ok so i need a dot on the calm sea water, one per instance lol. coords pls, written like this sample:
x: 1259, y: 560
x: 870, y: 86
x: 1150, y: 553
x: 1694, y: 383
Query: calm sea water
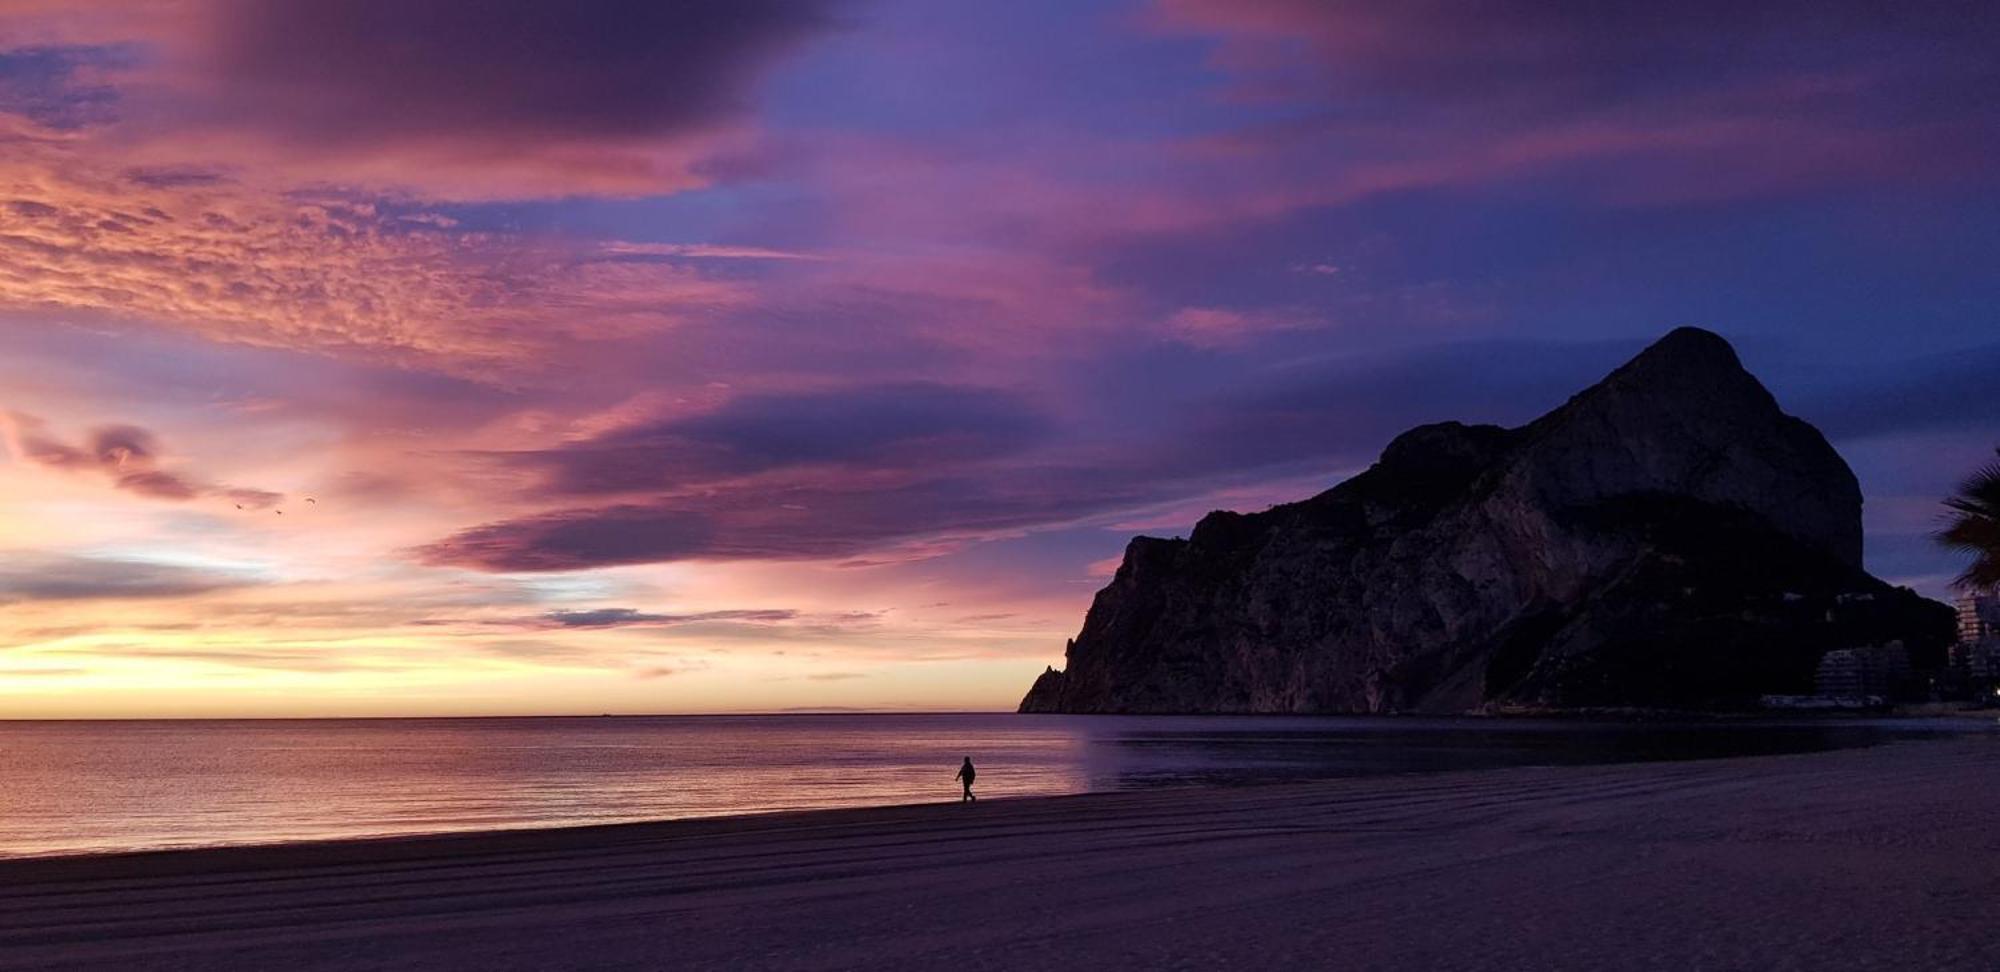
x: 70, y: 787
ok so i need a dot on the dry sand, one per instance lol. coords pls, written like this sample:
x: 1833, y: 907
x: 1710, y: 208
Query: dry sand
x: 1863, y: 859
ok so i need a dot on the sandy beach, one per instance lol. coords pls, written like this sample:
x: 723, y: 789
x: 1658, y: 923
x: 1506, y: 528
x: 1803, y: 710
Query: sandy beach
x: 1886, y: 857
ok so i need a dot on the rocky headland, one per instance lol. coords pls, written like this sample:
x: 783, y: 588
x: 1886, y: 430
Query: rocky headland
x: 1668, y: 538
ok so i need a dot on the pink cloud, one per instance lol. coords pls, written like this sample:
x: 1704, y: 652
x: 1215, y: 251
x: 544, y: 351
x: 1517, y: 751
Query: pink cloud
x: 250, y: 263
x: 1216, y: 327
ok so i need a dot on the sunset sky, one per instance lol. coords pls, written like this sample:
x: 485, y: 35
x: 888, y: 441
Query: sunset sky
x: 433, y: 357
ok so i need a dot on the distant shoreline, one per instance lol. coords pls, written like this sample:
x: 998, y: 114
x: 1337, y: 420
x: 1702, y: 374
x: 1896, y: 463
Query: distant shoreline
x: 1608, y: 715
x: 559, y: 715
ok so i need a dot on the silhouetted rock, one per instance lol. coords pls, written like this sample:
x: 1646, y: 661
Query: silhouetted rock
x: 1046, y: 694
x: 1668, y: 537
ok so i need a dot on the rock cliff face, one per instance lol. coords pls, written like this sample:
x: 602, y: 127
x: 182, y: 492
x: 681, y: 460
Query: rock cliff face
x: 1669, y: 537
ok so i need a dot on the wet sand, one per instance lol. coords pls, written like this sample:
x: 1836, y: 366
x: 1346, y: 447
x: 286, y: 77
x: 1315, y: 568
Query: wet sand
x: 1884, y: 858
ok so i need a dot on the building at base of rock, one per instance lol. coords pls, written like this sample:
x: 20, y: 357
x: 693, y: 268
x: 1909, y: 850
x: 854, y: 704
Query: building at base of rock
x: 1975, y: 657
x: 1880, y: 671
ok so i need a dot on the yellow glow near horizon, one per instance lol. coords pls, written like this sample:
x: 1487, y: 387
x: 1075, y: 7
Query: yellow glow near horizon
x: 246, y: 614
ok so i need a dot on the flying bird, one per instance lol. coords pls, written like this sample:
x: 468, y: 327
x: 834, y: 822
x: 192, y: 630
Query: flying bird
x: 312, y: 501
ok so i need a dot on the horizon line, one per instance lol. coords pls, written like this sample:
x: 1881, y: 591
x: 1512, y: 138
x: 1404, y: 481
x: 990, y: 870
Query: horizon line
x: 800, y: 711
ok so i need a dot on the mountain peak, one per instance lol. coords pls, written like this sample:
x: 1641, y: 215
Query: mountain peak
x: 1686, y: 359
x: 1690, y: 377
x: 1684, y: 417
x: 1689, y: 343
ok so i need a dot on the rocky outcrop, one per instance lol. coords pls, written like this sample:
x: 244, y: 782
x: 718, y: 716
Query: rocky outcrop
x: 1046, y: 694
x: 1668, y: 537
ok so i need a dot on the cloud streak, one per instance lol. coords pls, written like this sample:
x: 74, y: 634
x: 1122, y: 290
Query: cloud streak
x: 1700, y: 101
x: 877, y: 427
x: 127, y: 455
x: 627, y: 617
x: 45, y: 577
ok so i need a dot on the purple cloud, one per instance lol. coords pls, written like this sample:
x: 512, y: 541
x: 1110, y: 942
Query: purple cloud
x: 896, y: 426
x: 508, y: 99
x: 127, y: 455
x: 568, y: 540
x: 1311, y: 418
x: 782, y: 522
x: 45, y: 84
x: 1526, y: 58
x: 519, y: 68
x: 1690, y: 101
x: 158, y: 485
x: 122, y: 445
x: 627, y: 617
x: 58, y: 577
x: 1535, y: 55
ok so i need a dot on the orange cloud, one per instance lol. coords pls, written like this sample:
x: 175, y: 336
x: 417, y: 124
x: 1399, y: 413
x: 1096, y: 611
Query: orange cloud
x: 246, y: 263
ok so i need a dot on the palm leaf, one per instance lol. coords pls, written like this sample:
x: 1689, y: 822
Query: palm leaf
x: 1972, y: 525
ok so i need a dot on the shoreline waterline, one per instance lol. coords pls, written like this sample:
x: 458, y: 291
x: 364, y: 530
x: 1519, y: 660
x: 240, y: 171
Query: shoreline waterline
x: 72, y: 789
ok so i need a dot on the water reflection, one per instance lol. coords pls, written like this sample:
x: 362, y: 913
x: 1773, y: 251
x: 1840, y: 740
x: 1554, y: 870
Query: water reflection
x: 81, y: 786
x: 1229, y: 752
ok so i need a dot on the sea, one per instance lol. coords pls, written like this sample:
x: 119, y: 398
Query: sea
x: 96, y: 787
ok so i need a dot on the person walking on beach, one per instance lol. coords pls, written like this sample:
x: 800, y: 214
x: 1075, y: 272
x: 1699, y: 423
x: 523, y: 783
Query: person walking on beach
x: 966, y: 773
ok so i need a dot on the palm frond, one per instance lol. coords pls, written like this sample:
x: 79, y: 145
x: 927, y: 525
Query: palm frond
x: 1982, y: 575
x: 1973, y: 526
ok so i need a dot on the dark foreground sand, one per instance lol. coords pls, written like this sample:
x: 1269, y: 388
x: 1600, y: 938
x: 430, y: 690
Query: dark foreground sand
x: 1882, y: 858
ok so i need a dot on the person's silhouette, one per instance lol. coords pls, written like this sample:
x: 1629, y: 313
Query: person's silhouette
x: 966, y: 773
